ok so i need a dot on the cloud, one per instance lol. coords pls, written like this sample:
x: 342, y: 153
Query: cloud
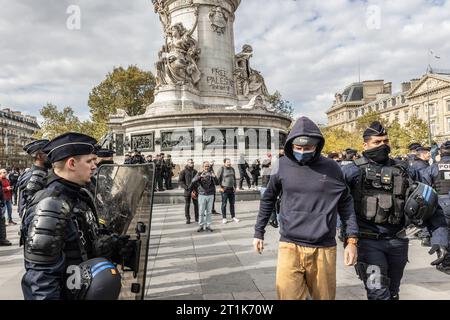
x: 308, y: 50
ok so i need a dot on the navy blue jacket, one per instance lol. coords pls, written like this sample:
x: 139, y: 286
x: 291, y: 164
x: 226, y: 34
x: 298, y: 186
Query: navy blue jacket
x: 418, y: 165
x: 313, y: 196
x: 436, y: 224
x: 430, y: 174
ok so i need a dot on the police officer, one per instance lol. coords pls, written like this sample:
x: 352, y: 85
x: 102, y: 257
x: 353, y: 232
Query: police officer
x: 60, y: 226
x: 105, y: 156
x: 158, y: 172
x: 169, y: 166
x: 438, y: 176
x: 34, y: 179
x: 379, y: 186
x: 412, y: 155
x: 419, y: 164
x: 350, y: 156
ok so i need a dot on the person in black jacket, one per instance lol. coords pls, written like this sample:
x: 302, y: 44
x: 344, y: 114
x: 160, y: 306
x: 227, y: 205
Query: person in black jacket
x: 314, y: 193
x: 185, y: 180
x: 13, y: 178
x: 255, y: 172
x: 205, y: 183
x: 243, y: 166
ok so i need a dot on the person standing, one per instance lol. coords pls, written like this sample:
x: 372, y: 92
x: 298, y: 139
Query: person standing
x: 205, y: 183
x: 255, y: 172
x: 13, y: 178
x: 314, y: 193
x: 379, y: 186
x: 158, y: 173
x: 34, y: 179
x: 227, y: 181
x: 243, y: 175
x: 3, y: 240
x: 185, y: 181
x: 7, y: 196
x: 438, y: 176
x: 60, y: 227
x: 169, y: 166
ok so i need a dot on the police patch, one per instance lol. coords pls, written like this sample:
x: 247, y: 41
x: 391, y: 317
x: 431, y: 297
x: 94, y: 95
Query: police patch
x: 444, y: 166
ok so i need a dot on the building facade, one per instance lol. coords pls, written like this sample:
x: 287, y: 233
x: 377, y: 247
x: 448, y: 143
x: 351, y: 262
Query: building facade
x: 429, y: 95
x: 16, y: 130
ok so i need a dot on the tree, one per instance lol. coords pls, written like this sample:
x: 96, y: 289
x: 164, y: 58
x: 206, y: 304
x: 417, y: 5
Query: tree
x: 365, y: 121
x: 131, y: 89
x: 281, y: 105
x: 57, y: 122
x: 337, y: 140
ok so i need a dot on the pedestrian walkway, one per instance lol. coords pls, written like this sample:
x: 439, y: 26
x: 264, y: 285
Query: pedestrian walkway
x: 185, y: 264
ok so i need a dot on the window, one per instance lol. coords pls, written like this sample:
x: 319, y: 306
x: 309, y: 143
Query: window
x: 416, y: 110
x: 396, y: 116
x: 406, y: 115
x: 433, y: 127
x: 448, y: 105
x: 448, y: 124
x: 432, y: 109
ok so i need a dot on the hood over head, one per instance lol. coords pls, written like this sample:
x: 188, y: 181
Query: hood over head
x: 304, y: 127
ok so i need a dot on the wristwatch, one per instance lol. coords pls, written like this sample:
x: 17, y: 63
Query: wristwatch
x: 352, y: 241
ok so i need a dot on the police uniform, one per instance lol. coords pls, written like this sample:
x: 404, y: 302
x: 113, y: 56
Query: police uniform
x: 379, y: 189
x: 60, y: 227
x: 32, y: 180
x: 411, y: 157
x: 438, y: 176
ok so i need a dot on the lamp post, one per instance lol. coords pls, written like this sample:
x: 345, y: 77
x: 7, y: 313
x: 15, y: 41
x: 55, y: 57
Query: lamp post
x: 429, y: 119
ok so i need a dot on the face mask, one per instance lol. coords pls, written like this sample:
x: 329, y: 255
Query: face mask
x: 304, y: 157
x: 379, y: 154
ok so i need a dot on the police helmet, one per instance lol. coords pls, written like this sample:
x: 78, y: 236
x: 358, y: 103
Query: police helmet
x: 101, y: 280
x: 420, y: 204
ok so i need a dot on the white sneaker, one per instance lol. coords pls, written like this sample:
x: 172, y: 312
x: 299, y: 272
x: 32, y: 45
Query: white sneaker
x: 224, y: 221
x: 235, y: 219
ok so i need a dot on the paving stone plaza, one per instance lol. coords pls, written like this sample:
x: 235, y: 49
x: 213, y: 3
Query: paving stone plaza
x: 184, y: 264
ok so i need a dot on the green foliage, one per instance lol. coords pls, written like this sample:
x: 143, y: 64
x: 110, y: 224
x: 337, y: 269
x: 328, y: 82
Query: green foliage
x: 337, y: 140
x: 366, y: 120
x: 57, y: 122
x: 130, y: 89
x: 283, y: 106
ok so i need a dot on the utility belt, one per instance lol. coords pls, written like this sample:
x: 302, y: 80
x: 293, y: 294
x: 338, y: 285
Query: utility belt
x: 365, y: 234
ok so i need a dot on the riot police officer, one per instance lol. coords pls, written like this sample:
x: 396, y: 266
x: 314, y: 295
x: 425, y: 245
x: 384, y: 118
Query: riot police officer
x: 60, y: 228
x: 412, y: 155
x: 380, y: 187
x: 419, y: 164
x: 438, y: 176
x: 159, y: 166
x: 34, y: 179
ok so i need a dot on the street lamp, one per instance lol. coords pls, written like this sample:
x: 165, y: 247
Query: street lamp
x: 429, y: 119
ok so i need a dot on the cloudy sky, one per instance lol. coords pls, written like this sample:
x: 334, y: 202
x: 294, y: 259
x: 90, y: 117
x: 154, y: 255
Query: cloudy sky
x: 306, y: 49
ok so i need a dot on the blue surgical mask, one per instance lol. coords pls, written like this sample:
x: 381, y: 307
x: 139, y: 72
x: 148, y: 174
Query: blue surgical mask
x: 304, y: 157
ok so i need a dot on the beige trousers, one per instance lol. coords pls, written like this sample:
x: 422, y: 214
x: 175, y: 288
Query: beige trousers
x: 303, y: 270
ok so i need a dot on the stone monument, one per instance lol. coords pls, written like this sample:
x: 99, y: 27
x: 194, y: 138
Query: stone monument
x: 209, y: 101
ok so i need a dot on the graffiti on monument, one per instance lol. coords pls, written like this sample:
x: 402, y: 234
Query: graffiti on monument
x: 257, y: 139
x: 177, y: 140
x: 143, y: 142
x: 218, y: 79
x: 220, y: 138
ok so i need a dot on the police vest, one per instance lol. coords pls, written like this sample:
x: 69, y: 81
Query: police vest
x: 380, y: 192
x: 442, y: 183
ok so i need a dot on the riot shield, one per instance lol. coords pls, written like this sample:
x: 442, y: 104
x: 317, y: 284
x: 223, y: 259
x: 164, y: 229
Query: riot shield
x: 124, y: 199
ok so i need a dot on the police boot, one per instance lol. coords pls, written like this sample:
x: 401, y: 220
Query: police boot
x: 3, y: 240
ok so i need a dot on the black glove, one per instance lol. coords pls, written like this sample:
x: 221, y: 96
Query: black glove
x: 2, y: 204
x: 104, y: 246
x: 445, y: 265
x: 441, y: 252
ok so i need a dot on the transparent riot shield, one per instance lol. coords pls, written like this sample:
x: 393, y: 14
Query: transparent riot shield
x: 124, y: 199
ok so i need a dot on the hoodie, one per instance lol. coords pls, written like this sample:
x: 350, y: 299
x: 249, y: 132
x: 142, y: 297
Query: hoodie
x: 313, y: 195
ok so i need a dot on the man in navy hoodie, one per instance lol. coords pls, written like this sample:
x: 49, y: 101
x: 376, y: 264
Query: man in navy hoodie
x: 314, y: 193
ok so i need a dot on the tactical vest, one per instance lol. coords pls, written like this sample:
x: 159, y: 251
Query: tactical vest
x: 380, y: 192
x: 82, y: 229
x: 442, y: 182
